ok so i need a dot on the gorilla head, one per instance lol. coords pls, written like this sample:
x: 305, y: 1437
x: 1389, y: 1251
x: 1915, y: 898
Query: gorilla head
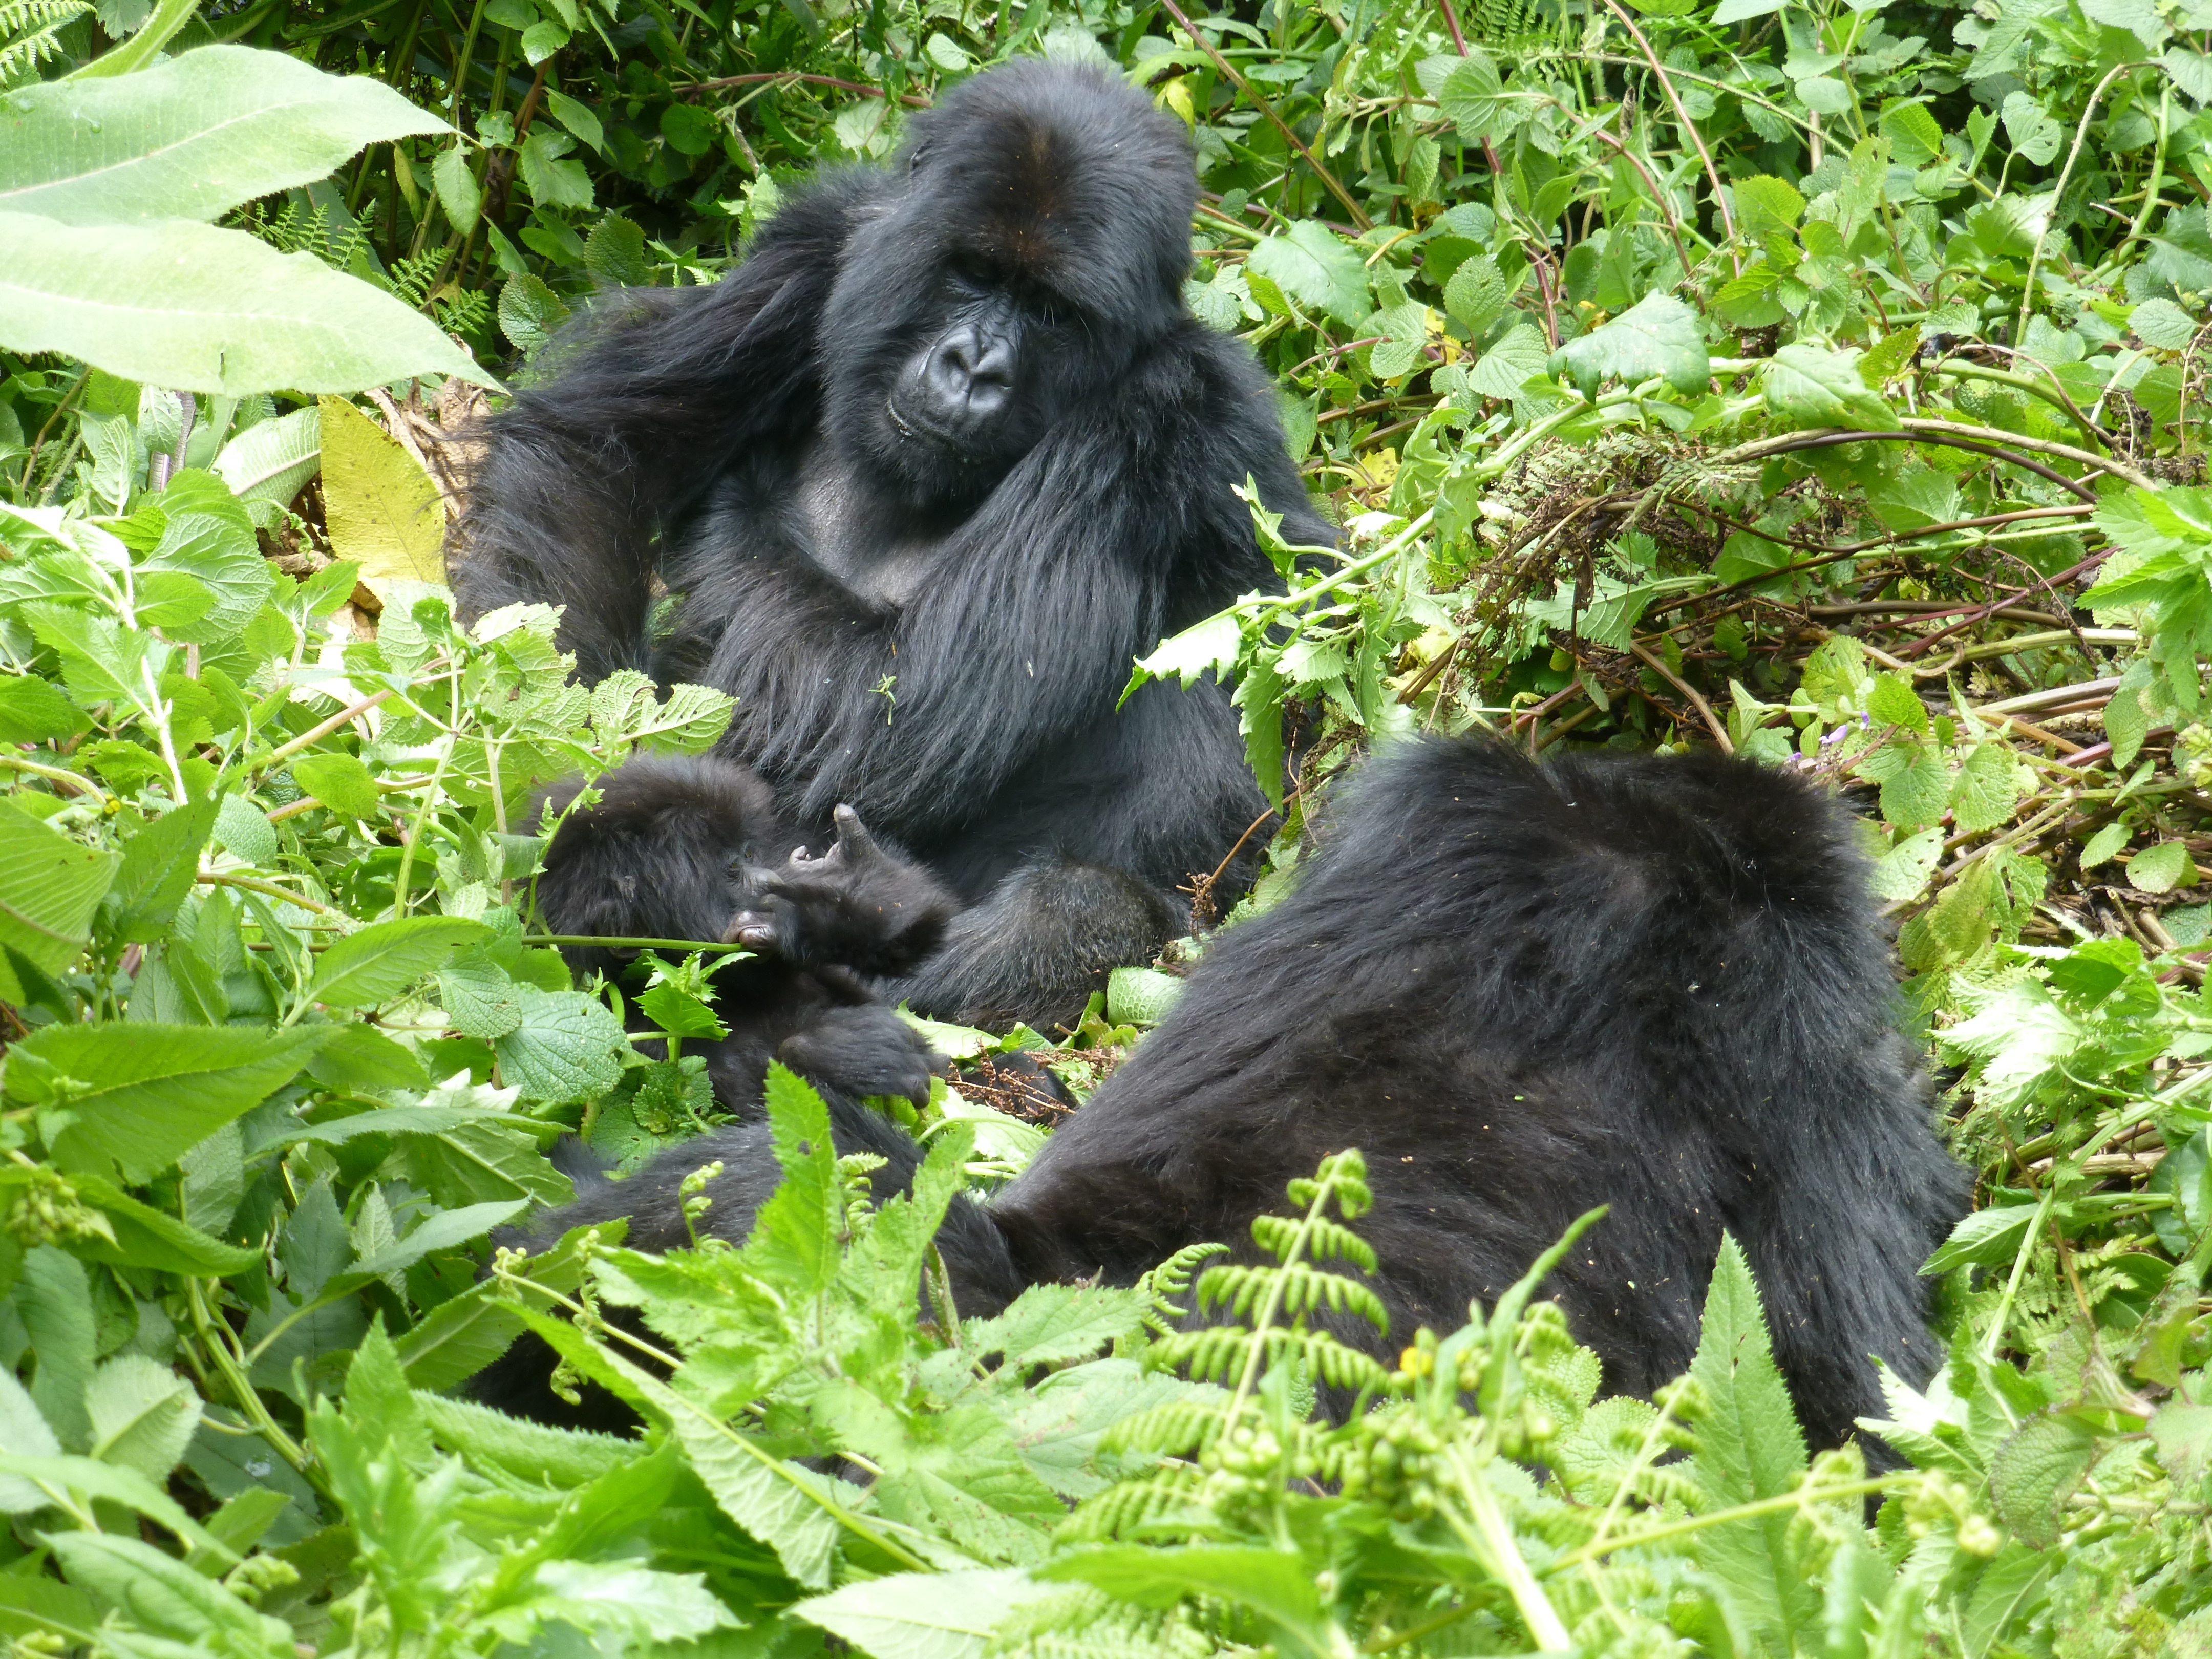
x: 1037, y: 239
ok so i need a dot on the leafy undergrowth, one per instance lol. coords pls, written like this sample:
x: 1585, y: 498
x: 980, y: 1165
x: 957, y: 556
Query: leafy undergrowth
x: 1822, y: 382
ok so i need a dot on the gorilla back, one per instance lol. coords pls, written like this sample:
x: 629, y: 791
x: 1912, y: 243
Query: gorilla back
x: 924, y: 474
x: 1523, y: 992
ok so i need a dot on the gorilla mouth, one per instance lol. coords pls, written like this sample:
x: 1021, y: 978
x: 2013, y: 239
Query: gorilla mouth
x: 919, y: 429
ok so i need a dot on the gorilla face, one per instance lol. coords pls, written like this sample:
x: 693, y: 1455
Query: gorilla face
x: 1032, y: 242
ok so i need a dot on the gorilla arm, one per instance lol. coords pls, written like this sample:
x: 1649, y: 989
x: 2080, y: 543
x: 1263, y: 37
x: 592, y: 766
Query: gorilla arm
x: 657, y: 392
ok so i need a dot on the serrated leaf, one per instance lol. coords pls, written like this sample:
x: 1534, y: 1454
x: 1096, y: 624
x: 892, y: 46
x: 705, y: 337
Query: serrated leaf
x: 1809, y: 385
x: 921, y: 1615
x: 1902, y: 872
x: 380, y: 961
x: 530, y: 312
x: 1473, y: 100
x: 1140, y: 996
x: 1051, y: 1324
x: 191, y: 138
x: 1658, y: 336
x: 219, y: 558
x: 1404, y: 330
x: 1503, y: 370
x: 1317, y: 268
x: 2162, y: 325
x: 2034, y: 1472
x: 566, y: 1047
x: 1476, y: 295
x: 1892, y: 700
x: 615, y: 253
x: 448, y: 1230
x: 1749, y: 1448
x: 1987, y: 788
x: 1766, y: 206
x: 386, y: 514
x: 272, y: 460
x: 340, y: 782
x: 457, y: 186
x: 1915, y: 139
x: 144, y: 1414
x: 479, y: 999
x: 2030, y: 130
x: 49, y: 886
x: 196, y: 308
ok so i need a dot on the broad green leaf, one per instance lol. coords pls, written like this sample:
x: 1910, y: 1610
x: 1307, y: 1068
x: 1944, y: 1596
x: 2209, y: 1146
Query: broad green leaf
x: 340, y: 782
x: 1274, y: 1583
x: 1903, y: 872
x: 1405, y: 330
x: 1809, y: 385
x: 1749, y: 1447
x: 1503, y: 370
x: 2031, y: 132
x: 2162, y: 868
x: 1140, y: 996
x: 557, y: 1457
x: 458, y: 1337
x: 144, y: 1414
x: 1658, y: 336
x: 24, y: 1432
x: 480, y: 1000
x: 1474, y: 99
x: 615, y: 253
x: 380, y: 961
x: 457, y: 186
x: 385, y: 513
x: 32, y: 711
x: 148, y: 1237
x: 50, y: 887
x: 1766, y: 206
x: 54, y: 1299
x: 165, y: 1597
x: 272, y: 460
x: 1989, y: 785
x: 220, y: 559
x: 116, y: 1484
x: 1476, y: 295
x: 142, y: 1094
x: 1986, y: 1238
x: 922, y: 1615
x: 191, y: 138
x: 1915, y: 139
x: 2035, y: 1472
x: 566, y: 1047
x: 1052, y: 1324
x: 1892, y: 700
x: 187, y: 306
x: 2101, y: 848
x: 530, y: 312
x: 2162, y: 325
x: 1317, y: 268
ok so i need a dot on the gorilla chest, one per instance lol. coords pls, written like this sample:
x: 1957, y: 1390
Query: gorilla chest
x: 831, y: 521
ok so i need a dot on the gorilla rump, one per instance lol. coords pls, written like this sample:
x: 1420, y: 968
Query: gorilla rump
x: 923, y: 476
x: 1652, y: 983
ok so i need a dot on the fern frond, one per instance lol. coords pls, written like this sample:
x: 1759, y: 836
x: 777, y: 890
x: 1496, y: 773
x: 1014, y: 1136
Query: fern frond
x: 1123, y: 1508
x: 1326, y: 1240
x: 1239, y: 1289
x: 1218, y: 1353
x: 1179, y: 1428
x: 30, y: 34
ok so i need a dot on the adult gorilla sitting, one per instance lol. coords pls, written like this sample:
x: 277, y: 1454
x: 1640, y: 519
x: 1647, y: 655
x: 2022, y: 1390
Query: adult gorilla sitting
x: 923, y: 476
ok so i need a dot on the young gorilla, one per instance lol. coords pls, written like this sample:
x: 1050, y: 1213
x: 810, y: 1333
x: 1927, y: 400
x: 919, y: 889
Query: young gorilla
x: 923, y: 475
x: 1522, y: 992
x: 675, y: 840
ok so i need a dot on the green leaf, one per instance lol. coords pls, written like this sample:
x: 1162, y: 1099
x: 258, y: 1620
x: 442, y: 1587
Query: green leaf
x: 1902, y: 872
x: 1766, y: 206
x: 1473, y: 100
x: 1657, y: 336
x: 219, y: 558
x: 479, y: 999
x: 1476, y: 295
x: 1915, y: 139
x: 1809, y: 385
x: 576, y: 117
x: 142, y: 1413
x: 142, y: 1094
x: 562, y: 1458
x: 191, y: 138
x: 566, y: 1047
x: 2162, y: 325
x: 2035, y: 1472
x: 921, y: 1615
x: 32, y: 711
x: 1052, y: 1324
x: 148, y: 1237
x: 1892, y: 700
x: 2162, y: 868
x: 530, y: 312
x: 1989, y: 785
x: 50, y: 887
x: 1749, y: 1447
x: 449, y: 1230
x: 2033, y: 133
x: 380, y: 961
x: 1276, y: 1585
x: 1405, y: 330
x: 165, y: 1598
x: 1317, y: 268
x: 272, y: 460
x: 457, y: 186
x: 615, y: 253
x: 1140, y: 996
x: 190, y: 306
x: 340, y: 782
x: 2101, y: 847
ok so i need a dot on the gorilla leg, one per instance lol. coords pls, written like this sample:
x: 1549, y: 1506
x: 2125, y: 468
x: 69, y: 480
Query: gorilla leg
x: 1037, y: 946
x: 983, y: 1277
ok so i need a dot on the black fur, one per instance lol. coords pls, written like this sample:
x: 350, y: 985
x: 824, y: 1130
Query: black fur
x: 674, y: 840
x: 1522, y: 992
x: 947, y: 425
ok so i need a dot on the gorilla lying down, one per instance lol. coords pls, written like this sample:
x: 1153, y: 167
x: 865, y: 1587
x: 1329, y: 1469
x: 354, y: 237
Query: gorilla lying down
x: 1522, y: 992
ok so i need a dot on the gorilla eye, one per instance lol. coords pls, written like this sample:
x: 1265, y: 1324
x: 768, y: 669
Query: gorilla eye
x: 971, y: 271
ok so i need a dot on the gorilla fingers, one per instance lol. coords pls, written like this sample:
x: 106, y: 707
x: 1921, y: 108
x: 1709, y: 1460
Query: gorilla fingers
x: 692, y: 849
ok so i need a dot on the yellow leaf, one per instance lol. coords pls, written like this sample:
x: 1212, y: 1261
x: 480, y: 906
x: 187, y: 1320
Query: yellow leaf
x: 383, y: 511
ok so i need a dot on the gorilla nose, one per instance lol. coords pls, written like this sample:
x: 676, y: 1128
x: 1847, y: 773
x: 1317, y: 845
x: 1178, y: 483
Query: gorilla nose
x: 972, y: 372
